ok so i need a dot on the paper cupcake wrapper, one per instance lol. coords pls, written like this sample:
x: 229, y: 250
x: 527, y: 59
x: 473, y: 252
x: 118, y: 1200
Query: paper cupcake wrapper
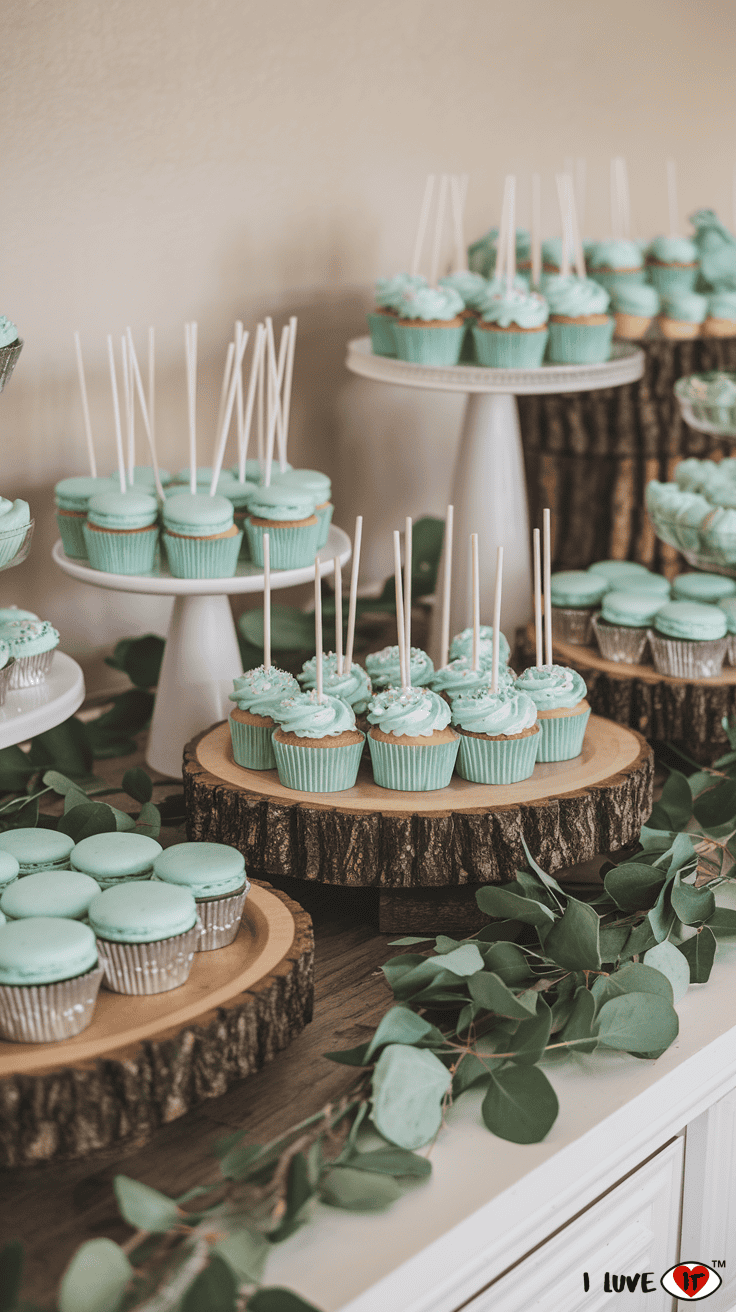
x: 561, y: 737
x: 381, y: 328
x: 631, y: 327
x: 252, y: 745
x: 579, y: 343
x: 202, y: 558
x: 27, y: 671
x: 572, y: 624
x: 669, y: 281
x: 413, y: 769
x: 497, y: 760
x: 687, y: 659
x: 291, y: 548
x: 621, y: 642
x: 324, y: 515
x: 439, y: 346
x: 15, y: 545
x: 148, y: 967
x: 8, y: 358
x: 501, y: 350
x: 318, y: 769
x: 239, y: 519
x: 617, y: 278
x: 71, y: 529
x: 220, y: 919
x: 122, y: 553
x: 46, y: 1013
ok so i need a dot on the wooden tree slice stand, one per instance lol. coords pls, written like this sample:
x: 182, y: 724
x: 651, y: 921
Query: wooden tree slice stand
x: 147, y: 1060
x: 426, y: 853
x: 685, y: 712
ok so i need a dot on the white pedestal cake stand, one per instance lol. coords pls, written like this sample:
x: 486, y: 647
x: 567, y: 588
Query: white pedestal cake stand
x: 202, y: 656
x: 489, y: 486
x: 30, y: 711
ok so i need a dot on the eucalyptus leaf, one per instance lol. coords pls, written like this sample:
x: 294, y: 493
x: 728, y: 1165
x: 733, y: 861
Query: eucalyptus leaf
x: 463, y: 961
x: 349, y: 1056
x: 59, y: 783
x: 666, y: 958
x: 392, y: 1161
x: 507, y: 961
x: 443, y: 944
x: 723, y: 922
x: 149, y: 821
x: 661, y: 917
x: 573, y: 940
x: 716, y: 806
x: 410, y: 940
x: 471, y: 1070
x: 637, y: 1022
x: 239, y: 1157
x: 699, y: 952
x: 675, y: 805
x: 546, y: 879
x: 359, y: 1191
x: 634, y: 886
x: 520, y: 1104
x: 73, y: 797
x: 291, y: 629
x: 400, y: 1025
x: 86, y: 819
x: 496, y: 901
x: 140, y: 659
x: 502, y: 931
x: 138, y: 785
x: 632, y: 978
x: 246, y: 1252
x: 640, y: 939
x: 215, y: 1288
x: 692, y: 905
x: 276, y: 1299
x: 492, y: 994
x: 15, y: 770
x: 613, y: 940
x: 95, y: 1279
x: 144, y: 1208
x: 655, y: 840
x: 408, y: 1087
x: 21, y: 814
x: 580, y: 1024
x: 532, y: 1036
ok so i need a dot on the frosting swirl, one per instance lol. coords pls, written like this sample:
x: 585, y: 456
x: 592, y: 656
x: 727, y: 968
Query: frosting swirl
x: 685, y: 307
x: 673, y: 250
x: 430, y: 303
x: 722, y: 305
x: 527, y: 309
x: 575, y: 297
x: 29, y: 637
x: 389, y: 291
x: 8, y: 331
x: 384, y: 668
x: 471, y: 286
x: 498, y: 714
x: 414, y: 713
x: 462, y: 645
x: 615, y: 255
x: 308, y: 717
x: 353, y: 685
x: 552, y: 687
x: 262, y: 690
x: 460, y: 677
x: 636, y: 298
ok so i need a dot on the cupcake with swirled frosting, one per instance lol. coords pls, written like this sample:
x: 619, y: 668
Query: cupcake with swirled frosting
x: 458, y: 676
x: 634, y: 307
x: 672, y: 264
x: 462, y: 645
x: 32, y: 644
x: 511, y: 331
x: 720, y: 320
x: 499, y: 735
x: 580, y: 328
x: 616, y: 264
x: 381, y: 319
x: 316, y: 745
x: 559, y: 695
x: 257, y: 695
x: 430, y: 327
x: 384, y: 668
x: 682, y: 315
x: 413, y: 747
x: 353, y: 685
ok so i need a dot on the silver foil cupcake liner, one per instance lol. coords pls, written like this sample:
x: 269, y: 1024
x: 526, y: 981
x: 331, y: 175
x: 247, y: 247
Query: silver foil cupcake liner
x: 220, y: 919
x: 5, y: 676
x: 620, y: 642
x: 573, y: 624
x: 685, y: 659
x: 8, y: 357
x: 29, y: 670
x: 730, y: 651
x: 145, y: 968
x: 46, y: 1013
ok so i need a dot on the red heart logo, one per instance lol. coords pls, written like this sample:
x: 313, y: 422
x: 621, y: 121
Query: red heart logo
x: 691, y: 1279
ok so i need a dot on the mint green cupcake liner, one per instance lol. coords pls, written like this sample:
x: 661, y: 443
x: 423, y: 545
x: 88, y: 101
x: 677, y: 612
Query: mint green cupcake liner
x: 324, y: 515
x: 497, y: 760
x: 381, y: 328
x: 239, y: 521
x: 669, y: 281
x: 71, y: 528
x: 579, y: 343
x: 252, y: 746
x: 121, y: 553
x: 291, y: 548
x: 318, y: 769
x: 561, y: 738
x: 413, y: 769
x: 617, y: 279
x: 438, y: 346
x: 509, y: 350
x: 202, y: 558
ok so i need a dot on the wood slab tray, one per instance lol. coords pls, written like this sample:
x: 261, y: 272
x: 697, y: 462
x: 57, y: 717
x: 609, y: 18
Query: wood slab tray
x: 147, y: 1060
x: 404, y: 844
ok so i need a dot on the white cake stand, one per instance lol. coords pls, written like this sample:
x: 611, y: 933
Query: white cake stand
x: 30, y: 711
x: 489, y: 486
x: 202, y: 656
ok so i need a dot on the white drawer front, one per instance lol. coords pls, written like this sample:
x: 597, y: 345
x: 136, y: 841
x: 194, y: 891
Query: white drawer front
x: 709, y: 1196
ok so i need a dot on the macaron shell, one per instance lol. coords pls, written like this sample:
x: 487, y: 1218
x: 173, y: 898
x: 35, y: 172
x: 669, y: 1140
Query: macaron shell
x: 691, y: 620
x: 703, y: 587
x: 655, y: 584
x: 123, y: 510
x: 65, y: 893
x: 613, y: 570
x: 632, y: 609
x: 208, y: 869
x: 37, y: 847
x: 142, y: 912
x: 112, y: 856
x: 9, y: 868
x: 197, y: 515
x: 577, y: 587
x: 43, y: 949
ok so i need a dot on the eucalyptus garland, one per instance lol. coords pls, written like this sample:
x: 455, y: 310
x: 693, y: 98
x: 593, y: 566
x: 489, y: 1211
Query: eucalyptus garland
x: 551, y: 974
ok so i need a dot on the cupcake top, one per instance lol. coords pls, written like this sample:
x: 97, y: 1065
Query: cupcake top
x: 29, y: 637
x: 308, y: 480
x: 389, y: 291
x: 431, y: 303
x: 459, y: 677
x: 414, y: 713
x: 615, y: 255
x: 197, y: 515
x: 577, y: 587
x: 636, y: 298
x: 384, y: 667
x: 527, y: 309
x: 703, y: 587
x: 142, y: 912
x: 4, y: 653
x: 353, y: 685
x: 471, y: 286
x: 721, y: 493
x: 495, y: 285
x: 235, y: 491
x: 8, y: 331
x: 65, y: 893
x: 13, y: 515
x: 690, y: 620
x: 673, y: 250
x: 122, y: 510
x: 690, y: 473
x: 498, y: 714
x: 75, y: 493
x: 722, y: 305
x: 685, y: 307
x: 654, y: 585
x: 308, y: 717
x: 253, y: 470
x: 280, y: 501
x: 203, y: 476
x: 113, y: 856
x: 9, y: 868
x: 37, y: 849
x: 144, y: 477
x: 462, y: 645
x: 728, y: 606
x: 574, y: 298
x: 43, y: 949
x: 615, y: 570
x: 16, y: 613
x: 208, y: 869
x: 631, y: 609
x: 552, y: 253
x: 552, y: 687
x: 262, y: 690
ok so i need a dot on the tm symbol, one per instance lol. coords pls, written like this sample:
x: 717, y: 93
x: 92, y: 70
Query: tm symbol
x: 717, y: 1262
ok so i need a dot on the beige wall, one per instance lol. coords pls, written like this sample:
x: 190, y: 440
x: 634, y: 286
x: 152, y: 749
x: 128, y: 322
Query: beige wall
x: 166, y: 159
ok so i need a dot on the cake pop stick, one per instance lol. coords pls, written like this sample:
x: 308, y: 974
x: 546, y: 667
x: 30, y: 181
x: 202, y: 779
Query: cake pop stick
x: 497, y: 619
x: 538, y: 599
x: 457, y: 220
x: 190, y: 334
x: 408, y: 551
x: 423, y: 219
x: 400, y: 612
x: 338, y: 613
x: 536, y: 230
x: 271, y: 435
x: 252, y: 384
x: 85, y: 408
x: 501, y: 239
x: 280, y: 430
x: 672, y: 196
x: 318, y: 626
x: 128, y: 402
x: 439, y: 224
x: 475, y: 577
x: 220, y: 454
x: 152, y: 381
x: 574, y: 227
x: 239, y: 390
x: 116, y: 413
x: 266, y: 601
x: 261, y: 403
x: 352, y: 605
x: 547, y: 557
x: 580, y: 192
x: 230, y: 356
x: 446, y: 589
x: 511, y: 236
x: 562, y: 201
x: 288, y: 378
x: 136, y: 373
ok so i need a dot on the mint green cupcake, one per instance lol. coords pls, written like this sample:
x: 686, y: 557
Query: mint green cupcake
x: 257, y: 695
x: 15, y: 531
x: 287, y: 514
x: 458, y: 676
x: 622, y: 627
x: 318, y: 485
x: 575, y: 594
x: 384, y: 668
x: 115, y: 858
x: 711, y: 588
x: 499, y: 735
x: 215, y: 874
x: 31, y: 644
x: 36, y: 849
x: 72, y: 497
x: 430, y: 327
x: 412, y: 745
x: 381, y: 320
x: 317, y: 746
x: 672, y: 264
x: 49, y: 979
x: 580, y: 329
x: 511, y: 331
x: 147, y: 935
x: 562, y: 711
x: 121, y: 532
x: 462, y: 645
x: 616, y: 264
x: 381, y: 329
x: 689, y: 640
x: 65, y: 893
x: 200, y: 536
x: 352, y: 686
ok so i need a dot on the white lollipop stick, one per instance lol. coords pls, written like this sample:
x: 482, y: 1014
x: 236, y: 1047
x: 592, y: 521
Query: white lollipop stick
x: 580, y: 192
x: 423, y: 219
x: 152, y: 381
x: 128, y: 402
x: 352, y: 606
x: 116, y: 413
x: 266, y: 601
x: 136, y: 373
x: 280, y: 431
x: 407, y: 591
x: 536, y: 230
x: 501, y: 240
x: 577, y: 244
x: 547, y: 556
x: 252, y: 383
x: 338, y: 613
x: 497, y: 619
x: 288, y: 378
x: 511, y: 237
x: 562, y: 201
x: 446, y: 588
x: 85, y: 408
x: 475, y: 576
x: 224, y: 389
x: 439, y: 224
x: 261, y: 403
x: 190, y: 331
x: 457, y: 220
x: 538, y: 599
x: 672, y: 196
x: 400, y: 611
x: 220, y: 455
x: 239, y: 390
x: 318, y: 626
x: 271, y: 434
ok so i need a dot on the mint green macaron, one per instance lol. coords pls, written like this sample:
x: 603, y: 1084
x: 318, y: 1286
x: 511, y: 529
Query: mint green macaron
x: 615, y: 570
x: 691, y: 620
x: 65, y: 893
x: 577, y: 587
x: 728, y: 606
x: 112, y: 858
x: 44, y: 949
x: 37, y: 849
x: 122, y: 510
x: 635, y: 610
x: 282, y: 501
x: 142, y: 912
x: 655, y: 584
x: 208, y: 869
x: 9, y: 869
x: 197, y: 515
x: 309, y: 480
x: 703, y: 587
